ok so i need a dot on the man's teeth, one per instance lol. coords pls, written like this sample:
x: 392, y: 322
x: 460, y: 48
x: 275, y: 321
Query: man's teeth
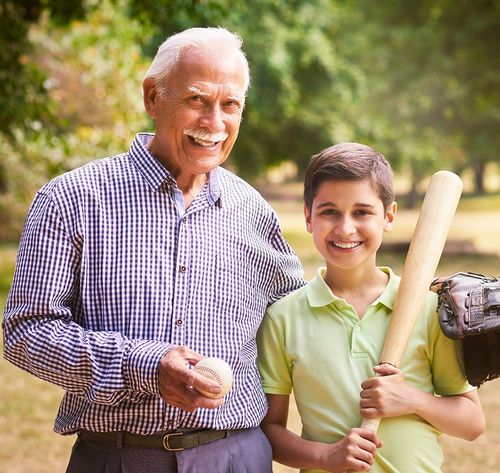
x: 203, y: 142
x: 346, y: 245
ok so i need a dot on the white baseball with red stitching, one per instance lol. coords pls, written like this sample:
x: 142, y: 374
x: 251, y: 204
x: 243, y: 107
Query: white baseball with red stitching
x: 218, y: 370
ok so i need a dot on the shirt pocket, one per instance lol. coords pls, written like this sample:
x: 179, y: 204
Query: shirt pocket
x: 242, y: 290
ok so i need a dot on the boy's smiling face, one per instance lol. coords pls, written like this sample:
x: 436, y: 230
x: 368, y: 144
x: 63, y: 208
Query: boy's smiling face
x: 347, y: 221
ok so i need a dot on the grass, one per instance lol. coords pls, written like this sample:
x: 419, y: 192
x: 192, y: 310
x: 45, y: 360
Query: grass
x: 28, y: 408
x: 480, y: 203
x: 28, y: 405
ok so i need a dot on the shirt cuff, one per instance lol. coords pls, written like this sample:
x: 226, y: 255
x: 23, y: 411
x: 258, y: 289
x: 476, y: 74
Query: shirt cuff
x: 141, y: 366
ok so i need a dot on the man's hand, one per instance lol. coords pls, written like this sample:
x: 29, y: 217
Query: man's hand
x: 386, y: 395
x: 178, y: 382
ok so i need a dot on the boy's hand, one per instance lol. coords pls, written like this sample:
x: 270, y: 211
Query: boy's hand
x: 356, y: 452
x: 386, y: 395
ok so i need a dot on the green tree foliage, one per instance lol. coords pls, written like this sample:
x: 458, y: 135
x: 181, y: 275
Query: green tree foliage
x: 23, y: 99
x: 433, y: 82
x: 94, y: 98
x: 22, y: 92
x: 298, y: 81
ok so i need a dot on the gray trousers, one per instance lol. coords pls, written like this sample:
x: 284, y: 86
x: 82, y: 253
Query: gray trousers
x: 246, y: 451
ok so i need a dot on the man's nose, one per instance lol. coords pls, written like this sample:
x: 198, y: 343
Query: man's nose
x: 212, y: 119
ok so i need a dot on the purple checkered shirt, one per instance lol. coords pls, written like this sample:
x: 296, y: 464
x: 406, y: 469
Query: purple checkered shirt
x: 112, y: 272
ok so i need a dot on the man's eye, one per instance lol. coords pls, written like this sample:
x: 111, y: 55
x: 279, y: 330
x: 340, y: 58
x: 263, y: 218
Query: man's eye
x: 328, y: 212
x: 197, y: 98
x: 232, y: 106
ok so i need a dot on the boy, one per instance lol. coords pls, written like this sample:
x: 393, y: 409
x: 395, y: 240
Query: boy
x: 324, y: 339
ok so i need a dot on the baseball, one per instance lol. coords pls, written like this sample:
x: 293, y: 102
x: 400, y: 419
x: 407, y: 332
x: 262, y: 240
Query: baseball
x: 218, y: 370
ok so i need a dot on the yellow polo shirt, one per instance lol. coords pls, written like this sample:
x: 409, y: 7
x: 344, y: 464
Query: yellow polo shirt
x: 313, y: 343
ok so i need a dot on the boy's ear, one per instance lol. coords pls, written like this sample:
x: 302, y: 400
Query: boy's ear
x: 390, y: 215
x: 150, y: 96
x: 307, y: 217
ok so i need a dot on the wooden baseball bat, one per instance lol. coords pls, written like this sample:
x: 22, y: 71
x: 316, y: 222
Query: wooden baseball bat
x: 427, y: 243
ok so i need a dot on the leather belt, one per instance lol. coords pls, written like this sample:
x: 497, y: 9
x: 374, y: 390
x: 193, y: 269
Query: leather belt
x: 173, y: 441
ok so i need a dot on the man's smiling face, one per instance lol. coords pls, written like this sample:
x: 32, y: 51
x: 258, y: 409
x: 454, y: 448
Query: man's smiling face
x: 198, y: 112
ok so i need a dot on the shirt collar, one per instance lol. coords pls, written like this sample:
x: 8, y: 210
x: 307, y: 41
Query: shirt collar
x: 388, y: 297
x: 155, y: 174
x: 319, y: 293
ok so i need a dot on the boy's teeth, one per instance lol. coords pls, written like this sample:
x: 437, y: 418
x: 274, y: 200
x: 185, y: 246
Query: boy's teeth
x: 346, y: 245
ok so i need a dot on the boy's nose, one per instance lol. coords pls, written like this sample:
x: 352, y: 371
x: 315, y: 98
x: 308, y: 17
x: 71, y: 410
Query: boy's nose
x: 345, y: 226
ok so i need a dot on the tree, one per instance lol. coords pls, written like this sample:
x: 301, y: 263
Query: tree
x: 94, y: 98
x: 434, y: 76
x: 22, y: 91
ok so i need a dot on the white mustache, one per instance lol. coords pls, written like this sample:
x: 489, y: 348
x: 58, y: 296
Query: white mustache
x: 205, y: 135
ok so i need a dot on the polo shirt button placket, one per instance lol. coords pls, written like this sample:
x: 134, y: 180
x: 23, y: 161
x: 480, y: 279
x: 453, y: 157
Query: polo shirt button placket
x: 356, y: 341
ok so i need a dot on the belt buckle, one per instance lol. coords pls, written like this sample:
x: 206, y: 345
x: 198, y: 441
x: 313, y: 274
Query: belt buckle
x: 166, y: 445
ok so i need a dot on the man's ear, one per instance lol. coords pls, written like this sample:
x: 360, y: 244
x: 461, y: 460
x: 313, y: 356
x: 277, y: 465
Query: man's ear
x: 307, y: 217
x: 150, y: 96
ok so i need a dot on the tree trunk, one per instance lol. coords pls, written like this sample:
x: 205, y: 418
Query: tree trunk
x: 3, y: 180
x: 479, y: 170
x: 411, y: 197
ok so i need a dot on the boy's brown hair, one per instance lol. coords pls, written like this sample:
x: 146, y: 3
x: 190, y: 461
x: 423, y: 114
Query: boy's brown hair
x: 349, y: 162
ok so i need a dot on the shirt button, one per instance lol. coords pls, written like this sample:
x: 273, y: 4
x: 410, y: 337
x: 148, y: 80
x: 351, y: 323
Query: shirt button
x: 170, y: 422
x: 182, y: 269
x: 357, y: 328
x: 184, y: 220
x: 179, y: 322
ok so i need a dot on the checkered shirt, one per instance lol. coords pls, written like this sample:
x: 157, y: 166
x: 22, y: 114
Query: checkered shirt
x: 112, y: 272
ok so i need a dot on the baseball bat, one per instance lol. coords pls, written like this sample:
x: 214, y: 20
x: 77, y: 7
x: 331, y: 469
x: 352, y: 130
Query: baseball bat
x: 427, y: 243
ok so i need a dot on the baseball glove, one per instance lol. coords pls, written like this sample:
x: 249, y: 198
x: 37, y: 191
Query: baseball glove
x: 469, y: 311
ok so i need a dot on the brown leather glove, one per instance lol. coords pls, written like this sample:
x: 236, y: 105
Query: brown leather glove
x: 469, y: 311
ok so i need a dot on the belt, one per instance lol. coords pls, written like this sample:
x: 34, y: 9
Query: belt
x: 173, y: 441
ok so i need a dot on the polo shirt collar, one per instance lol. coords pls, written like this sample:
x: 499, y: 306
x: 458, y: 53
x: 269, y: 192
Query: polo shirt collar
x: 155, y: 174
x: 319, y: 293
x: 388, y: 297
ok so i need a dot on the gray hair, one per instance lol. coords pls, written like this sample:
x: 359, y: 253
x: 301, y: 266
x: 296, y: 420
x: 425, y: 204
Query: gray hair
x: 171, y: 49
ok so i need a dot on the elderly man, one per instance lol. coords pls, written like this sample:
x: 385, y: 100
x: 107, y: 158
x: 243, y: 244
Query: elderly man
x: 133, y: 268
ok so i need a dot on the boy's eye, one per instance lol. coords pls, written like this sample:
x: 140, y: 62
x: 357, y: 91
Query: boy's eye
x: 328, y: 212
x: 362, y: 212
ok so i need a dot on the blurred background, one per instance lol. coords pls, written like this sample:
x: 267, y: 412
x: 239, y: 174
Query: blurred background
x: 419, y: 80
